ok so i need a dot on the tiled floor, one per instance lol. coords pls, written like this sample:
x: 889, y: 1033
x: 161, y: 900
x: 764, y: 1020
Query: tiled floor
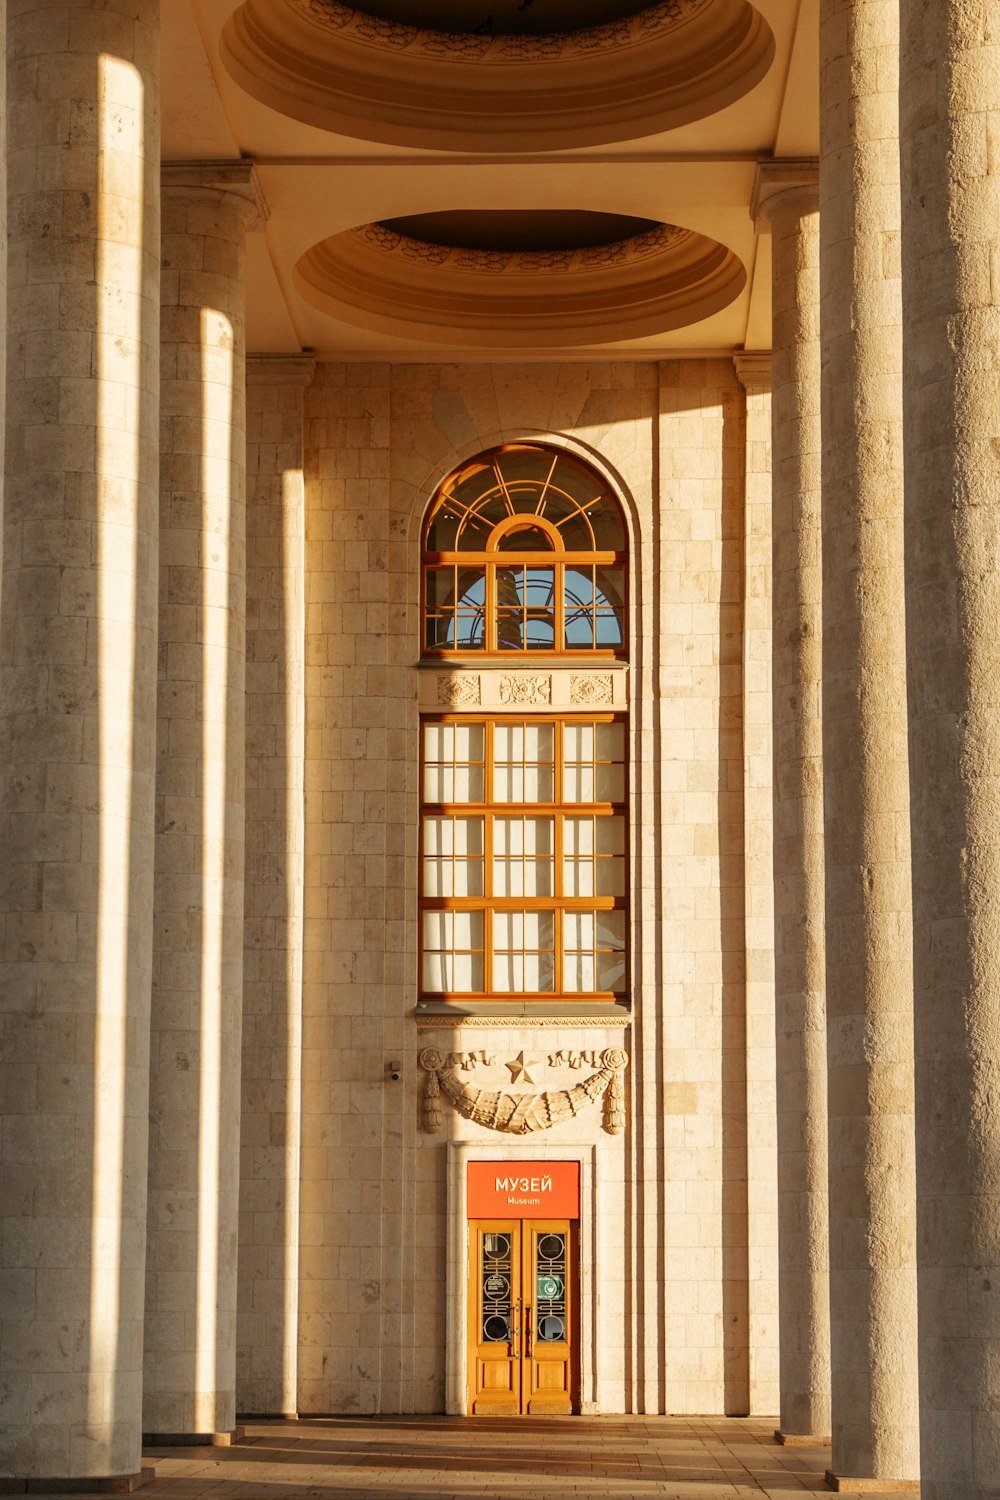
x: 409, y: 1458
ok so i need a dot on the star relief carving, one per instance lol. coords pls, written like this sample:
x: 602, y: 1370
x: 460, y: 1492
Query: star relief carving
x: 520, y: 1068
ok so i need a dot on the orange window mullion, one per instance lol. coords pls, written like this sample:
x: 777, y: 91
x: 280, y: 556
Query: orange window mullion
x: 560, y: 889
x: 488, y: 815
x: 560, y: 624
x: 490, y: 633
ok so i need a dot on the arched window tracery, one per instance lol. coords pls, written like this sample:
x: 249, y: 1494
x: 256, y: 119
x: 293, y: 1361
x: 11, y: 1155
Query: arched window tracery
x: 524, y: 552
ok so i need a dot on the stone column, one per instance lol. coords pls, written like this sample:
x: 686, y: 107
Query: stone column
x: 753, y: 369
x: 77, y: 709
x: 873, y: 1306
x: 271, y: 1118
x: 189, y: 1370
x: 950, y: 103
x: 786, y: 197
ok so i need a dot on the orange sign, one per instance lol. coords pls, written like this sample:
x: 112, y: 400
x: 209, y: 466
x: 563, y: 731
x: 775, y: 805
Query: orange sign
x: 524, y: 1189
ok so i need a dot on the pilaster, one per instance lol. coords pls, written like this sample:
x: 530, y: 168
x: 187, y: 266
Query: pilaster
x: 270, y: 1150
x: 190, y: 1345
x: 786, y: 199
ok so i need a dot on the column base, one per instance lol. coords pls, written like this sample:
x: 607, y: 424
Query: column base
x: 872, y: 1486
x: 801, y: 1439
x: 193, y: 1439
x: 113, y: 1484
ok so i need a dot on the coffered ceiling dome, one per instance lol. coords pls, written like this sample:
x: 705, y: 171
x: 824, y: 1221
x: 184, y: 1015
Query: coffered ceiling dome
x: 454, y: 288
x: 489, y: 89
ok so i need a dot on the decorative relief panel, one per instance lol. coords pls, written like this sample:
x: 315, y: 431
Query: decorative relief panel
x: 524, y: 1113
x: 526, y: 689
x: 459, y: 692
x: 591, y: 688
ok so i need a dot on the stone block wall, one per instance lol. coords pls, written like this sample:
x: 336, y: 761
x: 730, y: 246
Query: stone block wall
x: 685, y: 1191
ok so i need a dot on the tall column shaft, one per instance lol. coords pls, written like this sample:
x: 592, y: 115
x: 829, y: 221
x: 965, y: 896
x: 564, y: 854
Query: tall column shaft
x: 950, y: 103
x: 271, y: 1115
x: 77, y: 710
x: 786, y: 196
x: 190, y: 1349
x: 873, y: 1295
x: 753, y: 370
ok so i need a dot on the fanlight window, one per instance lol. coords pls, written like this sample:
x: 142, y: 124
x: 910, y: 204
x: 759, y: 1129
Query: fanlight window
x: 524, y: 551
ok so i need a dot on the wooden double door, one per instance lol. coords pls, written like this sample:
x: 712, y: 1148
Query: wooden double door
x: 523, y: 1351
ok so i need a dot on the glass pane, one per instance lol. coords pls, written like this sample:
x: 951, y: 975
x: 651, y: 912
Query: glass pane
x: 550, y: 1288
x: 593, y: 856
x: 439, y: 587
x: 522, y: 856
x: 594, y: 958
x: 523, y: 762
x: 453, y: 956
x: 609, y: 533
x: 470, y: 615
x: 523, y: 951
x: 453, y: 857
x: 453, y: 762
x: 611, y: 741
x: 442, y: 531
x: 578, y: 742
x: 525, y: 539
x: 497, y: 1277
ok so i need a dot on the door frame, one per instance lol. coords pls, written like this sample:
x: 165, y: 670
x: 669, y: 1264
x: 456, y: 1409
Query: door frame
x: 460, y: 1153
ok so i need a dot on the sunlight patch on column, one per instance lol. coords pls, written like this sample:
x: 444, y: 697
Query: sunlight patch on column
x: 118, y: 395
x: 216, y: 342
x: 293, y: 552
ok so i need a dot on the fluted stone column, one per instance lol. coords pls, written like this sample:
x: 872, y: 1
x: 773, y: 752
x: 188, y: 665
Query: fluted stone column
x: 950, y: 103
x: 786, y: 198
x: 873, y: 1294
x: 77, y: 714
x: 190, y: 1360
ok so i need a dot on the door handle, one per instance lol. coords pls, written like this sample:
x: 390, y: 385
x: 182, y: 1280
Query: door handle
x: 527, y: 1331
x: 516, y: 1340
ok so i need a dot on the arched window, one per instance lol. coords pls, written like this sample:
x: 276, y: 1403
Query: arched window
x: 524, y: 552
x: 523, y: 862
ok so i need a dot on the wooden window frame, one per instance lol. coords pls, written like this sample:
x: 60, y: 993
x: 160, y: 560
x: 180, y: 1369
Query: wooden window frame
x: 493, y: 557
x: 489, y: 809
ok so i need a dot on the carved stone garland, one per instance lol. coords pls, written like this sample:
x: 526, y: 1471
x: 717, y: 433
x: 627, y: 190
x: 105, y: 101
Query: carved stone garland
x: 520, y: 1114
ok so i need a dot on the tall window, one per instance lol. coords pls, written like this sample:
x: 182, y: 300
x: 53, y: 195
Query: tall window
x: 524, y: 552
x: 523, y: 885
x: 523, y: 858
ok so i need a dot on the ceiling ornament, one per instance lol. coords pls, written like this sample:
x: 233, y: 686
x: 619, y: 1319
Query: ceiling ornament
x: 378, y: 279
x: 522, y: 1114
x: 342, y: 70
x: 502, y: 48
x: 525, y: 262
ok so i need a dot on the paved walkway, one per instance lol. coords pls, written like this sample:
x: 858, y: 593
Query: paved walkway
x: 410, y: 1458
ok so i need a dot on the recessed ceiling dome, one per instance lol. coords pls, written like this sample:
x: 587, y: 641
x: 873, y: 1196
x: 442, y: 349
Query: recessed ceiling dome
x: 520, y: 229
x: 644, y: 284
x: 381, y: 79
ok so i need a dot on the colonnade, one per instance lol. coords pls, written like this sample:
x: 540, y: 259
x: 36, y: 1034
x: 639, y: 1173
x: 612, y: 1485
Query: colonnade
x: 122, y: 717
x: 887, y: 753
x: 122, y: 617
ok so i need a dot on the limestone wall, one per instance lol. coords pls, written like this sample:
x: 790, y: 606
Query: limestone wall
x: 670, y: 1233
